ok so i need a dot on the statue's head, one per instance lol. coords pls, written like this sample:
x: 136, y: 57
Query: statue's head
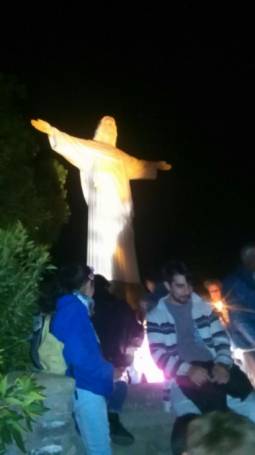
x: 106, y: 131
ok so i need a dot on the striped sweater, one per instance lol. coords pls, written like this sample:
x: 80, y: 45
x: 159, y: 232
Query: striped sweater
x: 163, y: 339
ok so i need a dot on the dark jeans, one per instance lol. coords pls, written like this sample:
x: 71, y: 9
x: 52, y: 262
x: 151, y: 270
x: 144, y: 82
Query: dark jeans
x: 118, y: 397
x: 211, y: 396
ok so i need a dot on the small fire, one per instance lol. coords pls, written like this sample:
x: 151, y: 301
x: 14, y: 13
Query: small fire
x: 219, y: 305
x: 222, y: 310
x: 143, y: 364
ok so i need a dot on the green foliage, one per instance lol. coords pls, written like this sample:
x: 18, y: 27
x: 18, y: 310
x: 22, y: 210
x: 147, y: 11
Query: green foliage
x: 32, y: 194
x: 31, y: 180
x: 22, y: 263
x: 21, y: 401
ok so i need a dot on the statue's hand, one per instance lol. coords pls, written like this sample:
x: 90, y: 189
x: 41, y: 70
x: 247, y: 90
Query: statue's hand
x: 42, y: 126
x: 163, y: 166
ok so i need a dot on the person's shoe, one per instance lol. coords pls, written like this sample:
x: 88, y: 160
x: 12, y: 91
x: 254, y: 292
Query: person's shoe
x: 119, y: 434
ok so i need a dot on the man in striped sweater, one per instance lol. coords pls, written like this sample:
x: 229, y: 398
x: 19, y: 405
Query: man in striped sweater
x: 188, y: 342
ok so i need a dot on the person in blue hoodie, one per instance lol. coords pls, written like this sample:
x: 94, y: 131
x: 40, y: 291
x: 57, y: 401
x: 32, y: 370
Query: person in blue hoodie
x: 239, y: 291
x: 93, y: 375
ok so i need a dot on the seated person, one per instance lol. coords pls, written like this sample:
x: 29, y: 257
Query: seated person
x: 217, y: 433
x: 188, y: 342
x: 217, y: 300
x: 155, y: 289
x: 180, y: 434
x: 239, y: 287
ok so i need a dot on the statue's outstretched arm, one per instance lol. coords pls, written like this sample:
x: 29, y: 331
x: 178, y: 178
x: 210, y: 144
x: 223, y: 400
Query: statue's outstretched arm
x: 163, y: 166
x: 42, y: 126
x: 77, y: 151
x: 142, y: 169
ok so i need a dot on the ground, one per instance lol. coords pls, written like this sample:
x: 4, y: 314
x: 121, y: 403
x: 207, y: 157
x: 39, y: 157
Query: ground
x: 143, y: 416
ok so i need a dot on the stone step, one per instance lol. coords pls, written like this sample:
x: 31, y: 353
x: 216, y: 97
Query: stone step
x: 143, y: 416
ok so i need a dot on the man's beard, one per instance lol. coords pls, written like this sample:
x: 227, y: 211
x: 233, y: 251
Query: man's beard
x: 182, y: 300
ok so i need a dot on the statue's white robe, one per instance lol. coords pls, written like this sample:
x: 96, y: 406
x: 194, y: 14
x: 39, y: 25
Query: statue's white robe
x: 105, y: 173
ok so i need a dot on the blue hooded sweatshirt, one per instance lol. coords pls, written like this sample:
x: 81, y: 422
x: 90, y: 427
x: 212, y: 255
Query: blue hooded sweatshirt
x: 239, y: 291
x: 72, y: 326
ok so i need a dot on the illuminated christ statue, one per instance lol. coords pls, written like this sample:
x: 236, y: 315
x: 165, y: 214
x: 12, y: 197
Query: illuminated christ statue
x: 105, y: 173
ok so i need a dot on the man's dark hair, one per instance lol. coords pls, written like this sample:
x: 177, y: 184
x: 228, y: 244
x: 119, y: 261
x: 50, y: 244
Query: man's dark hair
x: 173, y: 268
x: 221, y: 433
x: 212, y: 281
x: 180, y: 432
x: 72, y: 277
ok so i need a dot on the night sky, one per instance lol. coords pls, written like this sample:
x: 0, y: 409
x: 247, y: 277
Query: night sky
x: 181, y: 88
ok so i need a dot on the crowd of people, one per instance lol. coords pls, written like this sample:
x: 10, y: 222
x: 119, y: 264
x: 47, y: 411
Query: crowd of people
x: 196, y: 340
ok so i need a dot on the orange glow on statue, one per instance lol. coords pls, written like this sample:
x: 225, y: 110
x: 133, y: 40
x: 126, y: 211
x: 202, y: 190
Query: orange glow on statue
x: 105, y: 173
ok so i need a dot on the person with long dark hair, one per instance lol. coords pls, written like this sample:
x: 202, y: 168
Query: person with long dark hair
x: 119, y: 331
